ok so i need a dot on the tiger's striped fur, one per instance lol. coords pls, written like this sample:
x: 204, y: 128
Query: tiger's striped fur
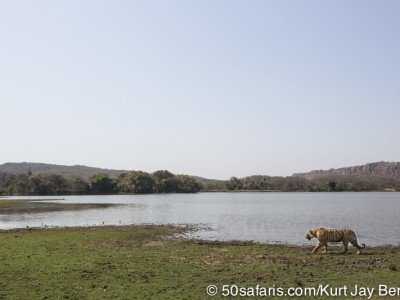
x: 324, y: 236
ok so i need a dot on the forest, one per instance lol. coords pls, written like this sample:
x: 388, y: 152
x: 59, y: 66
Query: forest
x: 134, y: 182
x: 301, y: 184
x: 163, y: 181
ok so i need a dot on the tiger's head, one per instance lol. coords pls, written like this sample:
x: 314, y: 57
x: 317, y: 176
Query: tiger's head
x: 310, y: 235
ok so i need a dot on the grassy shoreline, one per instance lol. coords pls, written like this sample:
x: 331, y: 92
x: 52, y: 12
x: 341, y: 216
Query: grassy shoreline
x: 150, y: 262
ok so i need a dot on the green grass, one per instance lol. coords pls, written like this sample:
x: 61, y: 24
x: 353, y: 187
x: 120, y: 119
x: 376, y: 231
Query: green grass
x: 145, y: 262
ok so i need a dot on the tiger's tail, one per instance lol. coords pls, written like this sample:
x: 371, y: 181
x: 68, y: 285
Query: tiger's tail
x: 355, y: 244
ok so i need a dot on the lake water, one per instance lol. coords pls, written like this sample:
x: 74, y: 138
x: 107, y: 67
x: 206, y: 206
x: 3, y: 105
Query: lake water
x: 261, y: 217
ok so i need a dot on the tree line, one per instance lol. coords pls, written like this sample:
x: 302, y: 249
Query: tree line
x: 134, y: 182
x: 139, y: 182
x: 300, y: 184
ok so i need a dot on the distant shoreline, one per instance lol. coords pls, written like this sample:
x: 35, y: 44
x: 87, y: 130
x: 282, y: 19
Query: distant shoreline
x: 9, y: 207
x: 46, y: 179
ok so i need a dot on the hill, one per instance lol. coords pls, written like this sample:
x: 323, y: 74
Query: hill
x: 368, y: 177
x: 376, y: 169
x: 68, y: 171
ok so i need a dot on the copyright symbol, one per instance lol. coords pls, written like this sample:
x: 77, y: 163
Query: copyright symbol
x: 212, y: 290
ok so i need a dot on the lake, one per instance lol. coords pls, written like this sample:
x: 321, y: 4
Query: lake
x: 260, y: 217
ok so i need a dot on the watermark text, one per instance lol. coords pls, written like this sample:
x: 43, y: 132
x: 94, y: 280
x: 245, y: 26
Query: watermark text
x: 322, y: 290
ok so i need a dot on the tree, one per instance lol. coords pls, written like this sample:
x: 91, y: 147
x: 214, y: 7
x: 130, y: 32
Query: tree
x: 308, y: 187
x: 331, y: 186
x: 6, y: 182
x: 57, y: 184
x: 79, y: 186
x: 234, y: 183
x: 187, y: 184
x: 162, y: 174
x: 165, y: 182
x: 36, y: 185
x: 20, y: 186
x: 137, y: 182
x: 101, y: 183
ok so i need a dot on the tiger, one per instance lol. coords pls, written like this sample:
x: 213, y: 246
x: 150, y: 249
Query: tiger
x: 335, y: 235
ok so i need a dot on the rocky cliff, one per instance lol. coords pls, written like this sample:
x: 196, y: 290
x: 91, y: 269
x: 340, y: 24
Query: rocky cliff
x: 371, y: 169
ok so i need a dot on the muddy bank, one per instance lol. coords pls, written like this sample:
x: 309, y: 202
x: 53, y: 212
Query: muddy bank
x: 34, y: 206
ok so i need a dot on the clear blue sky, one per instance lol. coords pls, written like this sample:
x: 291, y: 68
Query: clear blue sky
x: 208, y: 88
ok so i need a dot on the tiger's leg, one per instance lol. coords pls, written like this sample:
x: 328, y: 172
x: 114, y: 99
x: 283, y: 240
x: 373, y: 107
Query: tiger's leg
x: 325, y: 250
x: 345, y: 244
x: 355, y: 244
x: 317, y: 247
